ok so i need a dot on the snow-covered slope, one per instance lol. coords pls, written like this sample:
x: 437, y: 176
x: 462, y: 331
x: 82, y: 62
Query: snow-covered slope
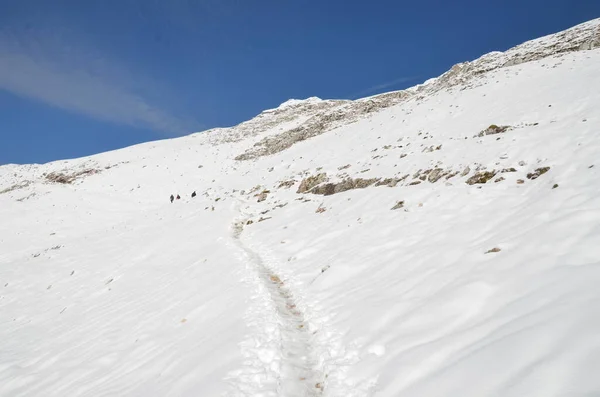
x: 438, y: 241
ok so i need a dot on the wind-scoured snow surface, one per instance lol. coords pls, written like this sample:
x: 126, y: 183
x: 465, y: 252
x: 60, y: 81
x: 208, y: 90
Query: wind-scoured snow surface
x: 483, y: 281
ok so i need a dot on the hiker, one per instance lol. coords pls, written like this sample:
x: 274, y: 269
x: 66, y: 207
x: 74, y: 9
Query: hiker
x: 178, y: 197
x: 172, y: 198
x: 193, y: 194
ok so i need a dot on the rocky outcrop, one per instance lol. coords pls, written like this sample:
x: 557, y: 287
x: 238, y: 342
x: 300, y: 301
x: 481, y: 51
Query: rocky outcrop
x: 537, y: 173
x: 341, y: 112
x: 59, y: 177
x: 262, y: 196
x: 581, y: 37
x: 390, y: 182
x: 493, y: 130
x: 314, y: 117
x: 309, y: 183
x: 436, y: 174
x: 287, y: 184
x: 481, y: 177
x: 328, y: 189
x: 16, y: 186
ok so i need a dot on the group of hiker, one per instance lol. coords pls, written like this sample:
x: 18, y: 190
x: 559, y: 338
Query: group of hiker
x: 179, y: 197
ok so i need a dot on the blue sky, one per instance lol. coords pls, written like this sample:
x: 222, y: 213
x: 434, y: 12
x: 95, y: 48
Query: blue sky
x: 82, y: 77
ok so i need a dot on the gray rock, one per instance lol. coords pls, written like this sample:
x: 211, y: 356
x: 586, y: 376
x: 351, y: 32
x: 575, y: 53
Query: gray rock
x: 481, y: 177
x: 309, y: 183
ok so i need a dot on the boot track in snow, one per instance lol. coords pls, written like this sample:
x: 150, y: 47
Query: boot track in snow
x: 300, y: 370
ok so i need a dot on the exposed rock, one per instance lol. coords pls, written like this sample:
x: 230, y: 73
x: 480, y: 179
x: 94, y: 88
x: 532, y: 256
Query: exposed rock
x: 398, y: 205
x: 465, y: 171
x: 493, y: 129
x: 432, y: 148
x: 360, y: 183
x: 436, y: 174
x: 59, y: 177
x: 414, y: 183
x: 310, y: 182
x: 262, y: 196
x: 555, y: 186
x: 287, y: 184
x: 537, y: 173
x: 328, y: 189
x: 451, y: 175
x: 314, y: 117
x: 520, y: 181
x: 27, y: 197
x: 499, y: 179
x: 330, y: 115
x: 424, y: 174
x: 511, y: 169
x: 16, y: 186
x: 254, y: 189
x: 320, y: 209
x: 496, y: 249
x: 481, y: 177
x: 344, y: 167
x: 391, y: 182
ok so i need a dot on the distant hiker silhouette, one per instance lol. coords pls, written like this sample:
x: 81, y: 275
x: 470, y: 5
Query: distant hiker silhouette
x: 178, y: 197
x: 194, y: 194
x: 172, y: 198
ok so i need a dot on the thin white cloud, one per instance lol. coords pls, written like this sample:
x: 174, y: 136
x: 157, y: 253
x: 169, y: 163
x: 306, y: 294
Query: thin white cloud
x: 383, y: 86
x: 82, y: 82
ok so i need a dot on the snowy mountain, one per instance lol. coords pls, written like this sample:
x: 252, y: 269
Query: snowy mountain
x: 438, y: 241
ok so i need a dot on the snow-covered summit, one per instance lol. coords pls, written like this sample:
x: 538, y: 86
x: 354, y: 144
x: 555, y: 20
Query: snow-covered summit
x: 438, y: 241
x: 295, y: 102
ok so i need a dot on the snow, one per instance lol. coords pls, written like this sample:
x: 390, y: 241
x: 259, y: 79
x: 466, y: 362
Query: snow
x: 106, y: 288
x: 295, y: 102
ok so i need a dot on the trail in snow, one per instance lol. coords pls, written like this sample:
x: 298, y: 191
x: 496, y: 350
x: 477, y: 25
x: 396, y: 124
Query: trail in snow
x: 298, y: 369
